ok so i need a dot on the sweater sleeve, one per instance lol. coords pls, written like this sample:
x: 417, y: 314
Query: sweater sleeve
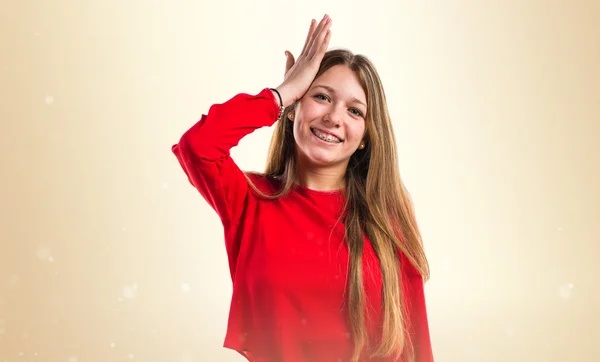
x: 204, y: 154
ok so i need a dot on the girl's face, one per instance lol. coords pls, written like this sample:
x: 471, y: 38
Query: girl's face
x: 329, y: 120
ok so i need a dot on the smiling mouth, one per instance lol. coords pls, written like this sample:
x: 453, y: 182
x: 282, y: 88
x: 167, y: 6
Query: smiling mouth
x: 325, y: 137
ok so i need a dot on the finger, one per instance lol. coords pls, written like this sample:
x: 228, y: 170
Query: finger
x: 311, y: 30
x: 319, y: 39
x: 317, y: 35
x: 289, y: 62
x: 325, y: 44
x: 322, y: 25
x: 314, y: 34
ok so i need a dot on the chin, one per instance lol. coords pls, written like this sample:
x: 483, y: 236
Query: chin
x: 321, y: 159
x: 318, y: 156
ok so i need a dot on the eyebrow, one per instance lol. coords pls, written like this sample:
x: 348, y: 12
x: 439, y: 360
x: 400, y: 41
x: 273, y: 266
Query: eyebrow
x: 354, y: 99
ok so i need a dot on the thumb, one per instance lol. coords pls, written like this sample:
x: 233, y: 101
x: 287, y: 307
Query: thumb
x: 289, y: 62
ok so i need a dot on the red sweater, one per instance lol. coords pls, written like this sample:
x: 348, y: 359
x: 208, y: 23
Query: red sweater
x: 287, y: 258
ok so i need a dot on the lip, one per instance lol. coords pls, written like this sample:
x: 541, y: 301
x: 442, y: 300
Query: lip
x: 325, y: 143
x: 329, y: 133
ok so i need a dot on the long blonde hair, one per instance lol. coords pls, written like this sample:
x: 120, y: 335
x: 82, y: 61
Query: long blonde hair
x: 376, y: 204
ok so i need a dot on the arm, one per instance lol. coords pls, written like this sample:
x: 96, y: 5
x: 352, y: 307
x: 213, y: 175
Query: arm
x: 204, y: 153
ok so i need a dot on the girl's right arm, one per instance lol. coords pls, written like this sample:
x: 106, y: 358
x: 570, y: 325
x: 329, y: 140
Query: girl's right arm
x: 204, y: 150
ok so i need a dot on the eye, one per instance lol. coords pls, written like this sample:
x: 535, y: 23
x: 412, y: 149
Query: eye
x: 356, y: 112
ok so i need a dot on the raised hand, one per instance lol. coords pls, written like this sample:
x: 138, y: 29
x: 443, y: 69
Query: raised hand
x: 300, y: 73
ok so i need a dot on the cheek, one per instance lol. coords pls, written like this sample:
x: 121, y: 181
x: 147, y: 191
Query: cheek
x: 297, y: 127
x: 357, y: 132
x: 300, y: 132
x: 300, y: 125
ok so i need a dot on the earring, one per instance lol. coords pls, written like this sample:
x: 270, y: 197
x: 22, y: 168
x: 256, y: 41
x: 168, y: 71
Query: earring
x: 361, y: 146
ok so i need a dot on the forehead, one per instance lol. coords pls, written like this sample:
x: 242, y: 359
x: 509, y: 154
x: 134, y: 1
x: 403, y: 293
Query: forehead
x: 343, y: 81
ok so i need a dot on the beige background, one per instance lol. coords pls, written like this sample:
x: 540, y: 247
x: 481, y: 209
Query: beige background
x: 108, y: 254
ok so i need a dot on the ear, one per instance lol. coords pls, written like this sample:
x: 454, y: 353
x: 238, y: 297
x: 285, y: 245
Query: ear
x: 291, y: 116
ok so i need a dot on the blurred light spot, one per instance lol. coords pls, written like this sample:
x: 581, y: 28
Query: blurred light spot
x: 20, y: 353
x: 113, y: 345
x: 131, y: 356
x: 43, y: 254
x: 123, y: 228
x: 72, y: 359
x: 304, y: 321
x: 560, y: 228
x: 49, y: 100
x: 129, y: 291
x: 165, y: 185
x: 566, y: 291
x: 185, y: 287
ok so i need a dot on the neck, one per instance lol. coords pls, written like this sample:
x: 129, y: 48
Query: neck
x: 321, y: 178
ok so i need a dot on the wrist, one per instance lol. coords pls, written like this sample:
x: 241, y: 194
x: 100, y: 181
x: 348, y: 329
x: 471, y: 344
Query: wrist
x: 278, y: 102
x: 286, y: 99
x: 277, y: 97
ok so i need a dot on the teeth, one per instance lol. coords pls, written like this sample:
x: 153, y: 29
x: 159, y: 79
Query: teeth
x: 328, y: 138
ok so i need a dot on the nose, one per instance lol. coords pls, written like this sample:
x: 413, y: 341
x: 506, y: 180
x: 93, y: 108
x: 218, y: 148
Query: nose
x: 334, y: 117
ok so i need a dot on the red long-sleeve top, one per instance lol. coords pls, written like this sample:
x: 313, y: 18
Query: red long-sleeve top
x: 288, y: 261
